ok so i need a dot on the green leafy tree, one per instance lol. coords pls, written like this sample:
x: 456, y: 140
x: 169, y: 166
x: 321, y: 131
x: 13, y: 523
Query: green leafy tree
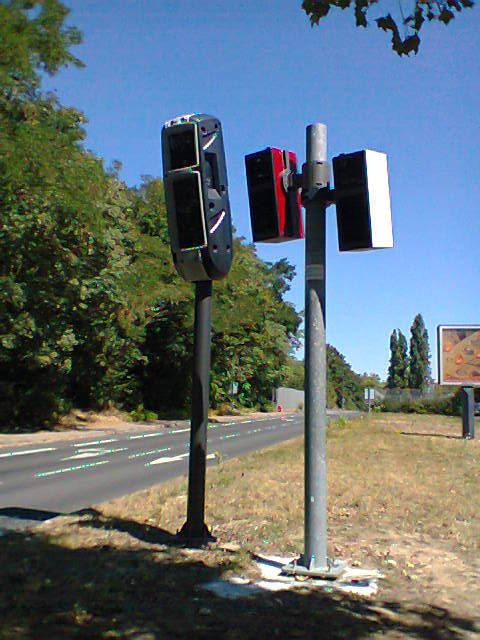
x: 37, y: 276
x: 66, y: 238
x: 162, y: 305
x: 294, y: 374
x: 92, y: 311
x: 254, y: 329
x: 419, y: 372
x: 404, y: 28
x: 33, y: 39
x: 253, y: 332
x: 65, y: 243
x: 371, y: 380
x: 344, y: 387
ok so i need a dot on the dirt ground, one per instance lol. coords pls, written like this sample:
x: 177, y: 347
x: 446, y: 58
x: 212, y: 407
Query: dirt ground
x: 403, y: 498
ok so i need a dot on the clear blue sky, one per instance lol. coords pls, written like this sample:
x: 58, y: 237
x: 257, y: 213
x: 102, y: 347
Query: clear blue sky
x: 267, y: 74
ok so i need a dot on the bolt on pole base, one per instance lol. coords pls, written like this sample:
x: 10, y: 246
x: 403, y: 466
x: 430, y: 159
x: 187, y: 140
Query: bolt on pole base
x: 331, y: 571
x: 198, y: 537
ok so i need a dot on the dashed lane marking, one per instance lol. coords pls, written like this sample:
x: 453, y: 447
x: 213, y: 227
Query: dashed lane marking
x: 93, y: 453
x: 147, y: 435
x: 80, y: 467
x: 142, y: 454
x: 10, y: 454
x: 89, y: 444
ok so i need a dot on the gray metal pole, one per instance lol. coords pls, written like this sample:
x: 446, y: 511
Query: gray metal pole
x: 468, y: 413
x: 315, y: 555
x: 195, y: 528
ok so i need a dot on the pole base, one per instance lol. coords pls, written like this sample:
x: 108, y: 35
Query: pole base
x: 195, y: 536
x: 331, y: 571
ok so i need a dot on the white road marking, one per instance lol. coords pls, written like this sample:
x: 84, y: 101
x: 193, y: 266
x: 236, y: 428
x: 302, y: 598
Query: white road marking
x: 44, y: 474
x: 88, y: 444
x: 146, y: 435
x: 147, y: 453
x: 25, y: 453
x: 93, y: 453
x: 85, y: 454
x: 167, y: 459
x: 210, y: 456
x: 180, y: 430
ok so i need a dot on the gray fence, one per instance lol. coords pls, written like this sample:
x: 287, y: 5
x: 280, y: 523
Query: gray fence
x: 288, y: 399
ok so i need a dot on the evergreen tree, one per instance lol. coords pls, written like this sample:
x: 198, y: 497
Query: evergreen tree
x: 398, y: 368
x: 391, y: 378
x: 402, y: 370
x: 419, y: 372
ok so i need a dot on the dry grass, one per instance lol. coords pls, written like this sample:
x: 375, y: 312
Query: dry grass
x: 403, y: 497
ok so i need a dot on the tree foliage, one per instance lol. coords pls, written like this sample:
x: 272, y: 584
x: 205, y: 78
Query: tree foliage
x: 409, y: 370
x: 398, y: 369
x: 295, y: 374
x: 92, y: 311
x: 34, y: 38
x: 404, y: 29
x: 419, y: 371
x: 344, y: 387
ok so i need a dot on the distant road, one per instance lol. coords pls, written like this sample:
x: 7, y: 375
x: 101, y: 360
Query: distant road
x: 37, y: 482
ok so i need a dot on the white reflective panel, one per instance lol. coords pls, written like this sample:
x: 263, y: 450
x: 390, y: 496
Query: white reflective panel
x: 379, y: 199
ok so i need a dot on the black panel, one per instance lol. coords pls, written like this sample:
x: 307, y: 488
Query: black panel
x: 349, y: 171
x: 182, y: 149
x: 262, y: 196
x: 353, y: 222
x: 259, y: 168
x: 188, y: 211
x: 351, y: 193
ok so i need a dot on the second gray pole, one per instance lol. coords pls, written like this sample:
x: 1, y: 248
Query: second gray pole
x: 315, y: 555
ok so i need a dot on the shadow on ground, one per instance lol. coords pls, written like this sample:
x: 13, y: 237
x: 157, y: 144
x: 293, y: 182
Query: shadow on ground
x: 431, y: 435
x: 151, y: 591
x: 22, y: 513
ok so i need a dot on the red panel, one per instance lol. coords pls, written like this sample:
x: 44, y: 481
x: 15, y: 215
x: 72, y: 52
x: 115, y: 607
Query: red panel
x: 275, y: 211
x: 278, y: 167
x: 295, y: 203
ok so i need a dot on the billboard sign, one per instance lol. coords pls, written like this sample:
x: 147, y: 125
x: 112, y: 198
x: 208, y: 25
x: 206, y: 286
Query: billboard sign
x: 459, y: 355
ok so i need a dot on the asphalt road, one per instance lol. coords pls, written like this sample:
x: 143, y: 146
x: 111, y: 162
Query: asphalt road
x: 38, y: 482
